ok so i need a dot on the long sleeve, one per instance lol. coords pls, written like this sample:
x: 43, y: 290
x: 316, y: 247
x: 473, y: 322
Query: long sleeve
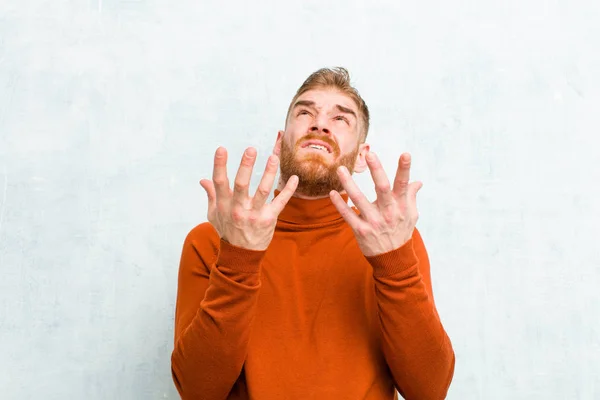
x: 217, y: 294
x: 416, y: 347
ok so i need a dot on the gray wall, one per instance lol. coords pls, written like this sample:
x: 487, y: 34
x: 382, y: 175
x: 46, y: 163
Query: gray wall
x: 110, y: 112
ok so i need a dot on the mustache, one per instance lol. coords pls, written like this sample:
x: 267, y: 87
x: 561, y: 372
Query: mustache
x: 314, y: 136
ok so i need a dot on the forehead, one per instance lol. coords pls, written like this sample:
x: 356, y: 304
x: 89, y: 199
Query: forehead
x: 326, y: 98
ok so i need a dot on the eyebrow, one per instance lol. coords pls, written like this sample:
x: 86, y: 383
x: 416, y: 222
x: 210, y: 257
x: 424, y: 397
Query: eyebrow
x: 309, y: 103
x: 345, y: 110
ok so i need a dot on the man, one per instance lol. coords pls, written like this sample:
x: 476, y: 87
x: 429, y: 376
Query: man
x: 304, y: 297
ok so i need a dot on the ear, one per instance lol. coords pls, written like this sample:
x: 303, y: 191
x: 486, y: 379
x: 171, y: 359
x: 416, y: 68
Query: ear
x: 277, y: 147
x: 361, y: 159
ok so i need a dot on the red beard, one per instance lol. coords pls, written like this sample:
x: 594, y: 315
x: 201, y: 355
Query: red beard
x: 317, y: 175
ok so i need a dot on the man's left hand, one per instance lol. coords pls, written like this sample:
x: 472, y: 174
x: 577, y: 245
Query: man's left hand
x: 388, y: 222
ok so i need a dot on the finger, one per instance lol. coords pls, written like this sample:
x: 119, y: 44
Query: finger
x: 354, y: 193
x: 383, y: 188
x: 209, y: 188
x: 220, y: 180
x: 411, y: 201
x: 402, y: 175
x: 279, y: 202
x: 242, y: 179
x: 266, y: 183
x: 345, y: 210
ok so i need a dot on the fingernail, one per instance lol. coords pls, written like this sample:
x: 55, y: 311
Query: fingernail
x: 370, y: 156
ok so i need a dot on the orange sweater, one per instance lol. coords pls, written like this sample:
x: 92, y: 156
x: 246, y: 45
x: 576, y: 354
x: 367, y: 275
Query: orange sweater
x: 309, y: 318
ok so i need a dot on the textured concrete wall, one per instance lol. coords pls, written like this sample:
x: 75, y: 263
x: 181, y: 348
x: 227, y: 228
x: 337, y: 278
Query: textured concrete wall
x: 110, y: 112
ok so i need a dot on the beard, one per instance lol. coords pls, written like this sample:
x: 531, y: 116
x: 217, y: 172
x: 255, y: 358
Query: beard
x: 317, y: 175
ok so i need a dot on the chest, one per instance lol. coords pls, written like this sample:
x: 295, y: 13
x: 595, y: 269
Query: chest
x: 309, y: 280
x: 316, y: 316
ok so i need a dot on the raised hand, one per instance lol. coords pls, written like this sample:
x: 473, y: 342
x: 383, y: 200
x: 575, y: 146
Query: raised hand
x: 388, y: 222
x: 244, y: 221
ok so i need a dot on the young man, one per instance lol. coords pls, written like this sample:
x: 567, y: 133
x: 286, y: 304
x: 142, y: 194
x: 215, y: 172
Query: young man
x: 304, y: 297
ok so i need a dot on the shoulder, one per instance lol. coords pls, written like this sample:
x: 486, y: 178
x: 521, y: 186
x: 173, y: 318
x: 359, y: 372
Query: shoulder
x: 419, y: 246
x: 203, y: 231
x: 417, y: 237
x: 202, y: 242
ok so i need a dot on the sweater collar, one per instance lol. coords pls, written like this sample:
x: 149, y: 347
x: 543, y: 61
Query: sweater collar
x: 310, y: 212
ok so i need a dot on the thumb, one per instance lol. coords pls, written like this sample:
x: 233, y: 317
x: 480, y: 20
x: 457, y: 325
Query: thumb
x: 417, y: 186
x: 209, y: 188
x: 413, y: 188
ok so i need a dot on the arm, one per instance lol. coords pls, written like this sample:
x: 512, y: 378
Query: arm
x: 216, y: 301
x: 415, y: 344
x: 219, y: 278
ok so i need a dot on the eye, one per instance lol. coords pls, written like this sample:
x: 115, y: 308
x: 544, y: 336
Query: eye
x: 341, y: 118
x: 303, y: 112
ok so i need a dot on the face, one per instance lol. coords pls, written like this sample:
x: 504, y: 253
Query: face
x: 322, y: 133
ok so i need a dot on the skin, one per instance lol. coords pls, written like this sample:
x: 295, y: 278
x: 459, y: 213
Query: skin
x: 331, y: 117
x: 328, y: 116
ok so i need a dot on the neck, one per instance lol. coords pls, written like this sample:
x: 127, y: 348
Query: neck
x: 299, y: 195
x: 303, y: 213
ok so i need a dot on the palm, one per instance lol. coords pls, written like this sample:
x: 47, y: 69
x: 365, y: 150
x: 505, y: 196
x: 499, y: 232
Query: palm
x: 389, y: 221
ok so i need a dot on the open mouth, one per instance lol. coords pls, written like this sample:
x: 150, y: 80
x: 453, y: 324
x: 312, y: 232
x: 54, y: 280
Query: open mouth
x: 317, y: 145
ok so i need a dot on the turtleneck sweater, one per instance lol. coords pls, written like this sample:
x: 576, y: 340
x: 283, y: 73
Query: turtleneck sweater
x: 310, y: 317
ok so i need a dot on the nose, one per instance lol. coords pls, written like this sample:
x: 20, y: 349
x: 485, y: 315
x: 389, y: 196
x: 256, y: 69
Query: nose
x: 316, y: 129
x: 320, y: 125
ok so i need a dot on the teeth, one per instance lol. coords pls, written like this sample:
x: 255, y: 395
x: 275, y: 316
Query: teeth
x: 318, y: 147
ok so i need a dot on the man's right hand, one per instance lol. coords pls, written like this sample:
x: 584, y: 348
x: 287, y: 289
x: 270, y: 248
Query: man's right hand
x: 241, y: 220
